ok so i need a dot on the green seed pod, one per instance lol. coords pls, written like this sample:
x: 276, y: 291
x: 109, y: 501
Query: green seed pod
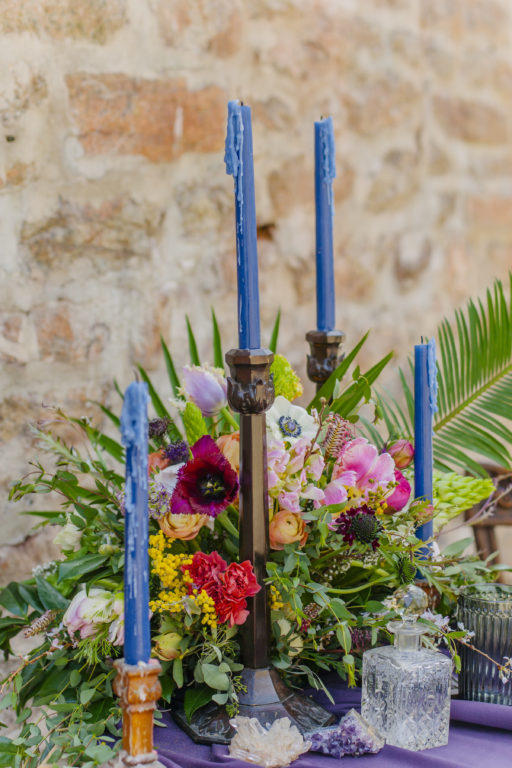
x: 195, y: 426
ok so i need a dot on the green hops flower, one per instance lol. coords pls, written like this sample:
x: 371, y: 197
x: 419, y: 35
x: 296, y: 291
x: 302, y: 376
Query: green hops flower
x: 454, y: 493
x: 406, y: 571
x: 286, y: 381
x: 195, y: 425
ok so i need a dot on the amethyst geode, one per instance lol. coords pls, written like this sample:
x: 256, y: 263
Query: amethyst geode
x: 352, y: 736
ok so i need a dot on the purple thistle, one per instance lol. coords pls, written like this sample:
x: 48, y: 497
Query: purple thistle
x: 177, y: 453
x: 157, y: 427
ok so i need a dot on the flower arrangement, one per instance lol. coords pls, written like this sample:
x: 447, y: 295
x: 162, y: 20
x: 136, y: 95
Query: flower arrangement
x: 342, y: 538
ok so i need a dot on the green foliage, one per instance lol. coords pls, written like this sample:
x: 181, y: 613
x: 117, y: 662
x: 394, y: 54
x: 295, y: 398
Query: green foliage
x: 275, y: 333
x: 475, y: 387
x: 324, y: 592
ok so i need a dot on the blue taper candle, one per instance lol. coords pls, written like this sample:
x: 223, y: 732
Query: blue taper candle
x: 325, y: 172
x: 134, y: 431
x: 425, y: 405
x: 239, y: 164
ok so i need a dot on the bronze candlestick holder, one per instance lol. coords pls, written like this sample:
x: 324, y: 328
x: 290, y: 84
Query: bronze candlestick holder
x: 251, y: 393
x: 325, y: 356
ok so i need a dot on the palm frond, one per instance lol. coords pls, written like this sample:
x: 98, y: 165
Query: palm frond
x: 474, y: 377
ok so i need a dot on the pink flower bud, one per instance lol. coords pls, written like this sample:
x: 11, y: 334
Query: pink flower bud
x: 400, y: 495
x: 402, y: 452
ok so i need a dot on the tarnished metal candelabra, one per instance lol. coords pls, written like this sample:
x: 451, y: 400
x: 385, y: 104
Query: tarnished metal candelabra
x: 251, y: 393
x: 325, y: 355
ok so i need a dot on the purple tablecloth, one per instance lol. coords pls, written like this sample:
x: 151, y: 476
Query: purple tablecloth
x: 480, y: 735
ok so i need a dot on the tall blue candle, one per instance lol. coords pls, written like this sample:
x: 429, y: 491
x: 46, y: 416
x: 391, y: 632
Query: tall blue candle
x: 239, y: 164
x: 425, y: 405
x: 325, y: 172
x: 134, y: 431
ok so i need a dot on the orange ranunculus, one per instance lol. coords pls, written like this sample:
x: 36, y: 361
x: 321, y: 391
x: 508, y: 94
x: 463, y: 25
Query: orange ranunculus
x: 230, y: 447
x: 184, y: 527
x: 286, y: 527
x: 156, y: 461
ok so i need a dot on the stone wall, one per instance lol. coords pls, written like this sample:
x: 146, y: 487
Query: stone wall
x: 116, y: 215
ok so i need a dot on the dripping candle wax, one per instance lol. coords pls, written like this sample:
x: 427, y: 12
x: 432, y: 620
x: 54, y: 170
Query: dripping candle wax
x: 239, y: 164
x: 325, y: 172
x: 425, y: 405
x: 134, y: 430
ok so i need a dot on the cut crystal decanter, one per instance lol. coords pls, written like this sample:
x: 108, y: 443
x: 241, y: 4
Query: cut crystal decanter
x: 406, y: 688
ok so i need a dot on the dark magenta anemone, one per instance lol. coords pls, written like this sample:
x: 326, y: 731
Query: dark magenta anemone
x: 207, y: 483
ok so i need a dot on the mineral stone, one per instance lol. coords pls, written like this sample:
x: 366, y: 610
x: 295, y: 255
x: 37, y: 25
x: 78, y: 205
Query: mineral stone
x: 352, y: 736
x: 272, y: 747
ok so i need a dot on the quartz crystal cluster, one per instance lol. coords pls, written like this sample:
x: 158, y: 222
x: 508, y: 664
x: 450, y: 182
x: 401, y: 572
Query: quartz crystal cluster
x: 272, y: 747
x: 352, y: 736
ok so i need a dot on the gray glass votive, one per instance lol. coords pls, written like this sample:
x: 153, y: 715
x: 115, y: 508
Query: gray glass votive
x: 486, y: 610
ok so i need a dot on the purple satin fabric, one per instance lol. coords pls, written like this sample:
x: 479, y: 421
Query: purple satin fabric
x: 480, y: 735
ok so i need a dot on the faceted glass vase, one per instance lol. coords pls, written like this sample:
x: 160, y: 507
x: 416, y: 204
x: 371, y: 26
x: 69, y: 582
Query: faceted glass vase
x: 486, y: 610
x: 406, y: 694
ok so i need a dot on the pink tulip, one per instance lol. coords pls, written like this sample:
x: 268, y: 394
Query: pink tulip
x: 400, y: 495
x: 402, y: 452
x: 206, y: 387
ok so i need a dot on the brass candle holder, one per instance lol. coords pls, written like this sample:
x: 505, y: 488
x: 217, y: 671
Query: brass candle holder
x: 251, y: 393
x: 325, y: 355
x: 139, y: 689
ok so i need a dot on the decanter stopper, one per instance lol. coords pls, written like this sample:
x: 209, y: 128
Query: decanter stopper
x: 409, y: 602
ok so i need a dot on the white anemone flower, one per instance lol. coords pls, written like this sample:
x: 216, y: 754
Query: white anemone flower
x: 290, y: 422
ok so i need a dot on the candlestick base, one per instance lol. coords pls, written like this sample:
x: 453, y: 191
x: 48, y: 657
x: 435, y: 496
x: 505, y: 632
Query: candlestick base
x: 124, y: 760
x: 324, y: 357
x: 138, y: 688
x: 267, y: 699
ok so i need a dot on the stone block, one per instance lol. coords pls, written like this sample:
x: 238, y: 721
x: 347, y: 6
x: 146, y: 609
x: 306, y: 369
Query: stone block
x: 379, y: 104
x: 107, y: 233
x: 488, y: 212
x: 485, y: 20
x: 397, y: 181
x: 15, y: 175
x: 94, y: 20
x: 55, y: 334
x: 203, y: 25
x: 469, y: 120
x: 157, y: 119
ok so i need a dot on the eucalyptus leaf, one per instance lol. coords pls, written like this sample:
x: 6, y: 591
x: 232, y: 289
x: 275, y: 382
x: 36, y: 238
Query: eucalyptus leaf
x: 195, y: 698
